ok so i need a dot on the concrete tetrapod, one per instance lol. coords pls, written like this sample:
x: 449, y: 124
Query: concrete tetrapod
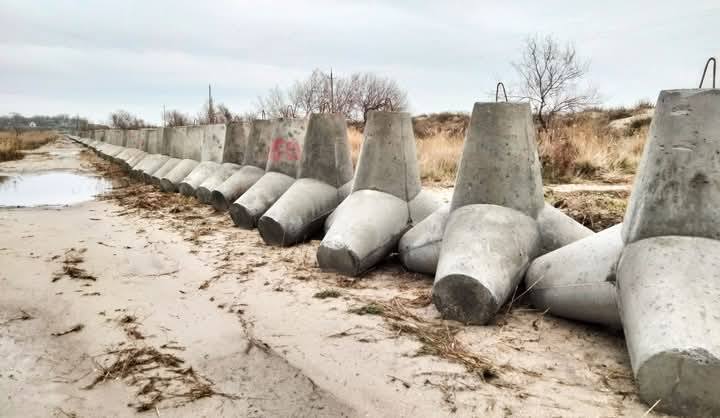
x: 199, y: 174
x: 491, y: 234
x: 386, y: 198
x: 170, y: 181
x: 577, y: 281
x: 134, y: 160
x: 280, y: 173
x: 254, y: 162
x: 204, y: 190
x: 668, y: 279
x: 150, y: 162
x: 324, y: 174
x: 419, y: 248
x: 151, y: 167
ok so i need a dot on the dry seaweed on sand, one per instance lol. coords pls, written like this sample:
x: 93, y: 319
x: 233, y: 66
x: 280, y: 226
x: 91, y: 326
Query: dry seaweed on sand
x: 70, y: 266
x: 159, y: 377
x: 75, y: 328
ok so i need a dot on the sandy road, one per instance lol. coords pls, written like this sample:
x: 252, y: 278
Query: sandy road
x: 250, y: 322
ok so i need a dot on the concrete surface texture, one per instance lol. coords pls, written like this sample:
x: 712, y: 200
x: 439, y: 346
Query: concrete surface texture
x: 151, y: 167
x: 170, y: 181
x: 577, y: 281
x: 499, y: 163
x: 677, y: 188
x: 286, y: 149
x: 216, y: 179
x: 558, y: 230
x: 254, y: 164
x: 485, y: 252
x: 116, y: 137
x: 235, y: 142
x: 154, y: 140
x: 368, y: 224
x: 324, y: 179
x: 197, y: 176
x: 419, y: 247
x: 668, y: 292
x: 134, y: 139
x: 184, y: 142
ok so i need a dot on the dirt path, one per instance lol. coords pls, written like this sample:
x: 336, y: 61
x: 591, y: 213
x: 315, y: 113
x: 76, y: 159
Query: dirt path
x: 265, y: 332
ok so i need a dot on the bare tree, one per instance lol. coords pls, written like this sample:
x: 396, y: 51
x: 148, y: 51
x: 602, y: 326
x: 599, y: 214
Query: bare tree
x: 176, y: 118
x: 550, y: 76
x: 378, y: 93
x: 353, y: 96
x: 125, y: 120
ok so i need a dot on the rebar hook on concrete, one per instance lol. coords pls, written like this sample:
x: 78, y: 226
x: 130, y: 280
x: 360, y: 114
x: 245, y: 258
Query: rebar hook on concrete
x: 702, y: 80
x: 497, y: 91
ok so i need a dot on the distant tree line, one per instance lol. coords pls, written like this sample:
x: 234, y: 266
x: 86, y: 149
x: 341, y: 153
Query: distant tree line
x: 61, y: 121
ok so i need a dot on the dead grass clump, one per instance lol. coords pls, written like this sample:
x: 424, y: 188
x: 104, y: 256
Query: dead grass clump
x: 596, y: 210
x: 158, y: 376
x: 70, y: 266
x: 437, y: 338
x: 327, y: 293
x: 74, y: 328
x: 12, y: 145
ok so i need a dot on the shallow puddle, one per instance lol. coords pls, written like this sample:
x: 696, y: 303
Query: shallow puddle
x: 49, y: 189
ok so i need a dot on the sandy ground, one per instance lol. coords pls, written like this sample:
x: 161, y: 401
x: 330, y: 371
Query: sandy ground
x: 221, y: 325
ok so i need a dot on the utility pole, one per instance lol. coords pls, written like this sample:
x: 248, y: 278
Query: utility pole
x: 211, y: 110
x: 332, y: 93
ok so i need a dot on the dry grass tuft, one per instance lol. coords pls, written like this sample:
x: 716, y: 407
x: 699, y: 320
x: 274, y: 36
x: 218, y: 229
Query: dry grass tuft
x: 158, y: 376
x: 12, y: 145
x: 437, y: 338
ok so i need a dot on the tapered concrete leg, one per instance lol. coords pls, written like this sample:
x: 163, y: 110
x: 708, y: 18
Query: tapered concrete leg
x: 131, y: 162
x: 237, y: 184
x: 148, y: 159
x: 299, y: 213
x: 199, y: 174
x: 420, y: 247
x: 668, y: 290
x: 422, y: 205
x: 171, y: 181
x: 205, y: 190
x: 248, y: 208
x: 364, y: 233
x: 125, y: 157
x: 557, y: 229
x: 151, y: 167
x: 122, y: 155
x: 485, y: 252
x: 162, y: 171
x: 578, y: 281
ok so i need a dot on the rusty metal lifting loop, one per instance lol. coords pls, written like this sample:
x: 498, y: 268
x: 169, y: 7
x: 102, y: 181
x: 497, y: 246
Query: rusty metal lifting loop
x: 702, y: 80
x: 497, y: 91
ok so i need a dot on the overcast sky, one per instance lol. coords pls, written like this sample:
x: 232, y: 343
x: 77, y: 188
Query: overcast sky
x: 93, y: 57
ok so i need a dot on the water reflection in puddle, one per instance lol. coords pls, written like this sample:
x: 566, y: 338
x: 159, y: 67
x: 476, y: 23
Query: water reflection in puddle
x: 49, y: 189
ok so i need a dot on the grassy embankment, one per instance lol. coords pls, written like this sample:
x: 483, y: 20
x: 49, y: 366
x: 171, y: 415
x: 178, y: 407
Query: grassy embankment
x: 13, y: 145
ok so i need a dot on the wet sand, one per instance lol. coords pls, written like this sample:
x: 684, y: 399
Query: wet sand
x: 163, y: 273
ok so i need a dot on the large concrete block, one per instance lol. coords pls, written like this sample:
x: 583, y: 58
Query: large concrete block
x: 134, y: 160
x: 146, y: 172
x: 577, y: 281
x: 198, y: 175
x: 324, y: 180
x: 205, y: 189
x: 134, y: 139
x: 170, y: 181
x: 282, y: 166
x: 557, y: 229
x: 116, y: 137
x: 154, y: 140
x: 485, y: 252
x: 499, y: 163
x: 184, y: 142
x: 388, y: 159
x: 387, y: 166
x: 668, y: 292
x: 235, y: 142
x: 677, y: 188
x: 254, y: 163
x: 99, y: 135
x: 326, y: 153
x: 213, y: 143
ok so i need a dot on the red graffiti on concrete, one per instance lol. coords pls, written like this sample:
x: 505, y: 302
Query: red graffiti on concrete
x: 283, y: 149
